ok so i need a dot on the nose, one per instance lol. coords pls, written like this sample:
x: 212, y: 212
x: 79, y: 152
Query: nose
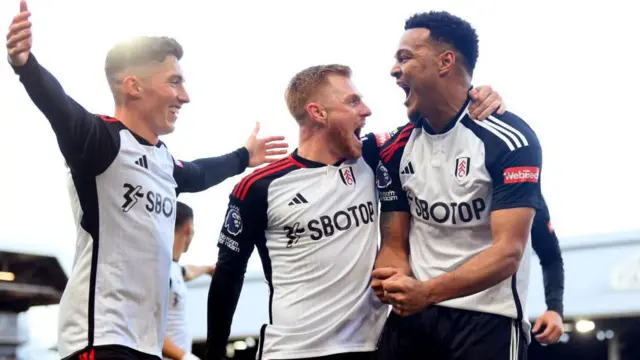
x: 366, y: 112
x: 395, y: 70
x: 183, y: 96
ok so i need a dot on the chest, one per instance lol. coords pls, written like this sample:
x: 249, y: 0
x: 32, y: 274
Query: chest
x: 445, y: 176
x: 320, y: 205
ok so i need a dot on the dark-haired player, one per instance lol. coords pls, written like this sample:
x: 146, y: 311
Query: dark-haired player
x: 313, y: 218
x: 457, y: 208
x: 126, y: 182
x: 178, y: 341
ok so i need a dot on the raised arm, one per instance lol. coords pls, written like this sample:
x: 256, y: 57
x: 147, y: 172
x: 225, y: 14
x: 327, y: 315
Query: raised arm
x: 242, y: 226
x: 82, y: 137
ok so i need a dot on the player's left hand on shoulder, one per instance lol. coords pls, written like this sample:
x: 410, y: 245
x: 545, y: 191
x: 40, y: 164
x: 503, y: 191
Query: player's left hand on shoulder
x: 264, y: 150
x: 552, y: 323
x: 406, y: 294
x: 484, y: 102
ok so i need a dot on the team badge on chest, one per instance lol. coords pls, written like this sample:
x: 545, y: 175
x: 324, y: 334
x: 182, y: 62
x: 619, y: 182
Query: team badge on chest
x: 462, y: 168
x: 347, y: 176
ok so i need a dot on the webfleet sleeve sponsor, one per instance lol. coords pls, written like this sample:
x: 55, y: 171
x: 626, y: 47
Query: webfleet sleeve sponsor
x: 521, y: 174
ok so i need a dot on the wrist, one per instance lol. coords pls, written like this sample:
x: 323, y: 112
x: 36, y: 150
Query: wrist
x: 430, y: 291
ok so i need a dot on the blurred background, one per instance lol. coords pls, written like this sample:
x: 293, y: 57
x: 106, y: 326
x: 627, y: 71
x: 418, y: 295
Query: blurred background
x: 567, y: 68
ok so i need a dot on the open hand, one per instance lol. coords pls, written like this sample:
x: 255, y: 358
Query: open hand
x: 19, y: 38
x: 261, y: 151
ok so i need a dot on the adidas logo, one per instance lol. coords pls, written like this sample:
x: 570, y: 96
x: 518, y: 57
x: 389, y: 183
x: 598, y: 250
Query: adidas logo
x: 298, y: 199
x: 408, y: 169
x: 143, y: 162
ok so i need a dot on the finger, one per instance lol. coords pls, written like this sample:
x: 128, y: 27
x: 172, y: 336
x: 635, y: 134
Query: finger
x: 484, y: 92
x: 474, y: 94
x: 23, y: 6
x: 483, y: 106
x: 536, y: 326
x: 18, y: 38
x: 384, y: 273
x: 393, y: 287
x: 23, y: 16
x: 275, y: 152
x: 18, y: 27
x: 270, y: 139
x: 490, y: 110
x: 502, y: 108
x: 557, y: 333
x: 546, y: 334
x: 276, y: 145
x: 19, y: 49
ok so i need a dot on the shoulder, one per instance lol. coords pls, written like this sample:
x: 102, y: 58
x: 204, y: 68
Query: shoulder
x: 395, y: 141
x: 255, y: 186
x: 503, y: 133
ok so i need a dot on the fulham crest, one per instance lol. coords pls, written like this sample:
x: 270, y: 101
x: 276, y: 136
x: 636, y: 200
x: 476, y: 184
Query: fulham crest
x: 347, y: 176
x: 462, y: 168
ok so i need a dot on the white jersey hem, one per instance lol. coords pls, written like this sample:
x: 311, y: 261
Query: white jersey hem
x: 293, y: 354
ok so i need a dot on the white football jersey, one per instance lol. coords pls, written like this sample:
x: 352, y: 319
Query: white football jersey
x: 177, y: 325
x: 450, y: 183
x: 316, y: 230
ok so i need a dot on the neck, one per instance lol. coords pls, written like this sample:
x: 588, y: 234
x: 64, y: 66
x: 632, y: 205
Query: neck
x: 314, y: 146
x: 136, y: 124
x: 445, y: 103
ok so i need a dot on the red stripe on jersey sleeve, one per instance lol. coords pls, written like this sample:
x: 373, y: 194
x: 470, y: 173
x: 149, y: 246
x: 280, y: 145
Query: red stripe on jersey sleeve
x: 240, y: 191
x: 388, y: 152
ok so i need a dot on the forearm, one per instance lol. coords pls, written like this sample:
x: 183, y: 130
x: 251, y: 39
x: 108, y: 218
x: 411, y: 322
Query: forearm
x: 193, y: 271
x: 48, y: 95
x: 553, y: 279
x: 394, y: 233
x: 171, y: 350
x: 224, y: 293
x: 214, y: 170
x: 481, y: 272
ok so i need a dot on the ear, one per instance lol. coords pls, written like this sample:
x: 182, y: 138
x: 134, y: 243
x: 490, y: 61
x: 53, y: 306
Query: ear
x: 132, y: 86
x: 446, y: 62
x: 316, y: 112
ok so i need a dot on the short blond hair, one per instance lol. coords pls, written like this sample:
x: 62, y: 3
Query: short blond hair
x: 305, y: 84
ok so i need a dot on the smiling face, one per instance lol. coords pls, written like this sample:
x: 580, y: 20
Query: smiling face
x: 162, y: 94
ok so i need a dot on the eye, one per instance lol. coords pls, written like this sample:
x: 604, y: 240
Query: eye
x: 354, y: 101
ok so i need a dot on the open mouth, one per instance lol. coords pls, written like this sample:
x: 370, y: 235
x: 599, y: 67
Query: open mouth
x: 406, y: 89
x: 357, y: 132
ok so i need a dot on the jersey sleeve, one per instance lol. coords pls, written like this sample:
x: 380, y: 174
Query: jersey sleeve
x: 515, y: 175
x: 371, y: 150
x: 201, y: 174
x: 390, y: 190
x: 244, y: 225
x: 85, y: 140
x: 546, y: 245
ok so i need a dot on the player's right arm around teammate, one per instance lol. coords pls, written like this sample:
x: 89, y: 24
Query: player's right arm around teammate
x: 80, y: 135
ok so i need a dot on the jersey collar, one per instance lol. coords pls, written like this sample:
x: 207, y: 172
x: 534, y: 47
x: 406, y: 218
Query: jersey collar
x: 451, y: 123
x: 310, y: 163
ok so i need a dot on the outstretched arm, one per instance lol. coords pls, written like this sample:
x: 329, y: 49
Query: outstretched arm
x: 202, y: 174
x: 82, y: 137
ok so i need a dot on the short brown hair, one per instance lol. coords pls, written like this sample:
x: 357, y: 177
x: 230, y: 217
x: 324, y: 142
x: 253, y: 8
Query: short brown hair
x: 305, y: 83
x: 139, y: 51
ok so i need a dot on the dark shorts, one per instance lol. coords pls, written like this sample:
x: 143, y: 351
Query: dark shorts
x: 115, y: 352
x: 344, y: 356
x: 441, y: 333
